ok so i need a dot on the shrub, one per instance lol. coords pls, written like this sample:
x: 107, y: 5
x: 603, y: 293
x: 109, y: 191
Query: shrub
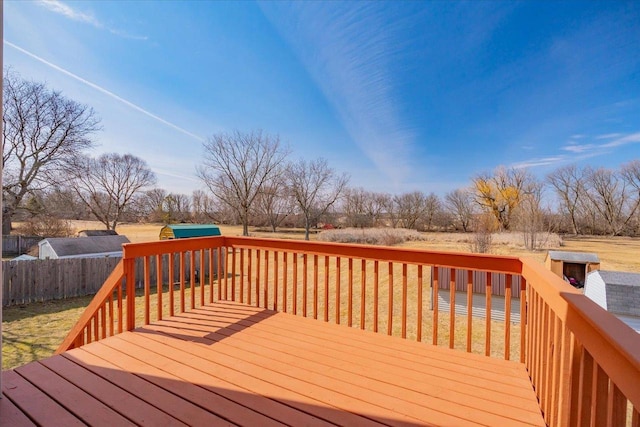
x: 46, y: 226
x: 371, y: 236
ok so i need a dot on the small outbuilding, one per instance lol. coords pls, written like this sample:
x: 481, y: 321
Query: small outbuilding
x: 81, y: 247
x: 618, y: 293
x: 183, y: 231
x: 572, y: 265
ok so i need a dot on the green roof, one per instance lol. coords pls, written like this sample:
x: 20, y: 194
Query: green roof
x: 181, y: 231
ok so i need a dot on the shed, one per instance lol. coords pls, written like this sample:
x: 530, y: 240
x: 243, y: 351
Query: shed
x: 479, y: 290
x: 572, y: 264
x: 81, y: 247
x: 617, y: 292
x: 183, y: 231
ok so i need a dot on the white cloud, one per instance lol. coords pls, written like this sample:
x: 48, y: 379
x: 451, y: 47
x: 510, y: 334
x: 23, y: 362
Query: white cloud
x: 67, y: 11
x: 609, y: 136
x: 348, y: 49
x: 544, y: 161
x: 106, y: 92
x: 629, y: 139
x: 577, y: 148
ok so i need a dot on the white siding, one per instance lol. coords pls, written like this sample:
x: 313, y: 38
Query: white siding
x: 479, y: 308
x: 46, y: 251
x: 595, y: 289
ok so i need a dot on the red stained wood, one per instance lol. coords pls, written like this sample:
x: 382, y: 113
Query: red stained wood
x: 229, y: 363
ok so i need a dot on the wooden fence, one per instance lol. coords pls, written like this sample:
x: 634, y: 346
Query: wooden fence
x: 25, y: 282
x: 18, y: 245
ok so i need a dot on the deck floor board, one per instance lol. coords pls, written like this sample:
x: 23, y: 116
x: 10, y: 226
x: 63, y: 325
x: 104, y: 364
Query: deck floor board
x: 232, y: 364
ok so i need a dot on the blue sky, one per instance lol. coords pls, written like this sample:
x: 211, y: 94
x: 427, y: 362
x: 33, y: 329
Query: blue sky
x: 401, y: 95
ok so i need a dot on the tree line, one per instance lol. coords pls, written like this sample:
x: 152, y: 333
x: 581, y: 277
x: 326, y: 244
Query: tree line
x: 248, y: 178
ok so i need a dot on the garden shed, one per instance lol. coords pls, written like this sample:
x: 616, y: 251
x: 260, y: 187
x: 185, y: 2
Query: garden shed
x: 81, y: 247
x: 617, y: 292
x: 574, y: 265
x: 183, y: 231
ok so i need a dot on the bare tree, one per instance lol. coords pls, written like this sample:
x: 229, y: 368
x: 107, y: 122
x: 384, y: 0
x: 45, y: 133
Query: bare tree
x: 275, y: 203
x: 176, y: 208
x: 354, y: 207
x: 609, y: 194
x: 237, y: 166
x: 106, y: 185
x: 315, y: 187
x: 530, y: 217
x: 631, y: 174
x: 204, y: 207
x: 500, y: 193
x: 410, y: 209
x: 568, y: 183
x: 42, y: 129
x: 461, y: 205
x: 432, y: 209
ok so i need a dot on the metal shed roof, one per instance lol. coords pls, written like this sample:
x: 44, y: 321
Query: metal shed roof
x: 181, y: 231
x: 63, y: 246
x: 574, y: 256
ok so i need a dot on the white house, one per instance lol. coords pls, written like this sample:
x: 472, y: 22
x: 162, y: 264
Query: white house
x: 618, y: 293
x: 81, y: 247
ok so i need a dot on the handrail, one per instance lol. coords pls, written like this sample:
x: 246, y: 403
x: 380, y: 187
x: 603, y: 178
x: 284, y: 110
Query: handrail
x: 583, y: 362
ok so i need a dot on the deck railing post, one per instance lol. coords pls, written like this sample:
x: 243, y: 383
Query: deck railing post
x: 130, y: 282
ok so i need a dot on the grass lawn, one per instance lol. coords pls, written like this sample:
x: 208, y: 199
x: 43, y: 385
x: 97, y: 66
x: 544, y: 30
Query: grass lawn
x: 34, y: 331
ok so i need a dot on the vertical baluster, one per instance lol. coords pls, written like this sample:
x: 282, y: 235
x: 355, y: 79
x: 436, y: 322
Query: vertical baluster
x: 376, y: 284
x: 111, y: 314
x: 147, y: 289
x: 617, y: 404
x: 120, y: 303
x: 249, y: 276
x: 601, y: 396
x: 233, y: 275
x: 363, y: 292
x: 222, y: 256
x: 452, y: 307
x: 265, y: 289
x: 103, y: 320
x: 242, y: 275
x: 350, y: 294
x: 171, y: 279
x: 390, y: 307
x: 315, y: 286
x: 182, y: 273
x: 159, y: 282
x: 507, y: 317
x: 435, y: 288
x: 419, y: 317
x: 258, y: 278
x: 469, y: 308
x: 212, y: 258
x: 523, y: 319
x: 201, y: 276
x: 586, y: 390
x: 546, y: 359
x: 192, y: 278
x: 488, y: 292
x: 338, y: 290
x: 326, y: 288
x: 285, y: 278
x: 275, y: 280
x: 294, y: 297
x: 226, y: 273
x: 404, y: 300
x: 305, y: 274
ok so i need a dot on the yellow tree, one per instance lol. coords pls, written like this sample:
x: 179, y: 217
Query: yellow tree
x: 501, y: 193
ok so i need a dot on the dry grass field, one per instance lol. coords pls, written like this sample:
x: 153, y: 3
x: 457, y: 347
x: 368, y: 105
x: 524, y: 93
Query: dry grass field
x: 34, y: 331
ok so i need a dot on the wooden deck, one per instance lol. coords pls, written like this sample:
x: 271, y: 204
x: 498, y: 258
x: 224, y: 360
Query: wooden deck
x: 231, y: 364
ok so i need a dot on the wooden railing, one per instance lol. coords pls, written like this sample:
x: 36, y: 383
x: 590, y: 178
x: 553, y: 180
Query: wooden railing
x: 584, y: 363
